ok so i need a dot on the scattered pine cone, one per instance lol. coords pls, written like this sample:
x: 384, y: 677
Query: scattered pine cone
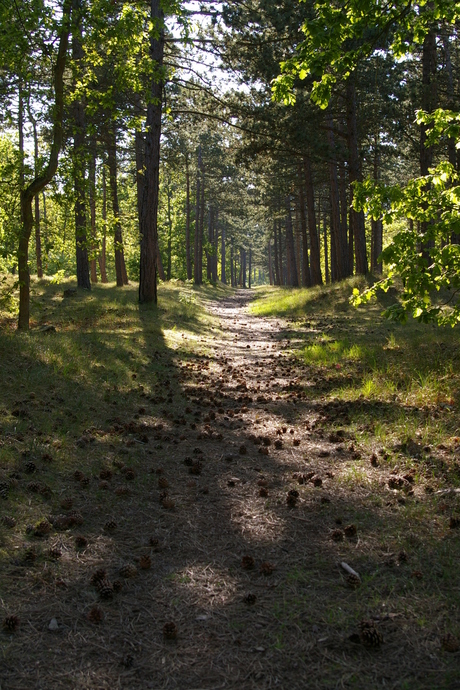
x: 54, y: 554
x: 369, y: 634
x: 353, y: 581
x: 130, y: 474
x: 33, y: 487
x: 81, y: 542
x: 78, y: 475
x: 374, y: 460
x: 195, y: 468
x: 105, y: 473
x: 263, y: 492
x: 96, y: 614
x: 85, y: 481
x: 105, y: 589
x: 30, y: 467
x: 250, y: 599
x: 317, y: 481
x: 66, y: 503
x: 8, y: 521
x: 188, y: 461
x: 75, y: 518
x: 104, y: 484
x: 30, y: 555
x: 242, y: 449
x: 454, y: 522
x: 10, y: 623
x: 247, y: 562
x: 337, y: 535
x: 42, y: 528
x: 350, y: 531
x: 145, y: 562
x: 117, y: 585
x: 110, y: 526
x: 291, y: 500
x: 128, y: 570
x: 402, y: 557
x: 168, y: 503
x: 122, y: 491
x: 98, y: 575
x: 163, y: 483
x: 170, y: 631
x: 267, y: 568
x: 278, y: 443
x: 450, y: 643
x: 4, y: 490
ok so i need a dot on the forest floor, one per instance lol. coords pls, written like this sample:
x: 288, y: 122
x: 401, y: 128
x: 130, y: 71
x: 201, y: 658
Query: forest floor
x: 220, y: 458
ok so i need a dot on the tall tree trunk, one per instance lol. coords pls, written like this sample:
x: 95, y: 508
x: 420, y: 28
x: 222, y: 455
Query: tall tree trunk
x: 216, y: 245
x: 270, y: 267
x: 197, y: 277
x: 294, y: 278
x: 306, y: 276
x: 102, y: 253
x: 315, y: 258
x: 149, y: 215
x: 354, y: 170
x: 201, y: 231
x: 222, y: 256
x: 280, y: 257
x: 92, y: 209
x: 451, y: 144
x: 250, y: 267
x: 39, y: 183
x: 79, y: 146
x: 188, y: 257
x: 275, y: 247
x: 326, y: 257
x: 169, y: 244
x: 232, y: 272
x: 120, y: 268
x: 38, y: 242
x: 339, y: 246
x: 209, y: 251
x: 376, y: 225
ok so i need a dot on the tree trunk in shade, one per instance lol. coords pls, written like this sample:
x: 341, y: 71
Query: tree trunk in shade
x: 120, y: 268
x: 250, y: 267
x: 38, y: 241
x: 79, y: 145
x: 315, y: 257
x: 294, y: 278
x: 149, y: 256
x: 354, y: 170
x: 222, y: 256
x: 102, y: 253
x: 232, y: 273
x: 188, y: 256
x: 339, y: 244
x: 306, y: 277
x: 270, y: 267
x: 92, y: 209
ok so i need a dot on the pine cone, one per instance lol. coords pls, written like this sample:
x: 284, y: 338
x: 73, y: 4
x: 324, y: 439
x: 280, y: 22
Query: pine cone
x: 145, y: 562
x: 450, y: 643
x: 104, y: 484
x: 402, y: 557
x: 122, y: 491
x: 350, y: 531
x: 10, y: 623
x: 278, y: 444
x: 154, y: 542
x: 4, y: 490
x: 42, y: 528
x: 267, y: 568
x: 454, y: 522
x: 110, y: 526
x: 353, y: 581
x: 99, y: 575
x: 263, y: 492
x: 30, y: 555
x: 250, y: 599
x: 33, y: 487
x: 128, y: 570
x: 66, y: 503
x: 369, y: 634
x: 130, y: 474
x: 117, y: 585
x: 54, y: 554
x: 78, y: 475
x: 247, y: 562
x: 294, y: 493
x: 337, y: 535
x: 81, y: 542
x: 170, y: 631
x: 85, y: 481
x: 30, y: 467
x: 291, y: 500
x: 105, y: 589
x: 75, y: 518
x: 317, y: 481
x: 168, y: 503
x: 195, y: 468
x: 163, y: 483
x: 96, y: 614
x: 8, y: 521
x: 105, y: 473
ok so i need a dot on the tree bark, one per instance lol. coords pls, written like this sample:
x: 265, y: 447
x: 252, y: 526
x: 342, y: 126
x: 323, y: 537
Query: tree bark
x: 339, y: 245
x: 149, y: 215
x: 169, y: 244
x: 222, y: 256
x: 40, y: 182
x: 250, y: 267
x: 294, y: 278
x: 92, y: 210
x: 270, y: 267
x: 315, y: 254
x: 38, y: 243
x: 188, y: 257
x: 79, y: 151
x: 120, y: 268
x: 354, y: 169
x: 275, y: 247
x: 306, y: 276
x: 102, y: 253
x: 232, y: 272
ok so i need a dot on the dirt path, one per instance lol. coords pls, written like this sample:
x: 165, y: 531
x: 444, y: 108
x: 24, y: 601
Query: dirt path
x: 240, y: 509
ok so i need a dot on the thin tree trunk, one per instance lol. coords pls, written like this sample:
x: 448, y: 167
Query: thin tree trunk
x: 280, y: 257
x: 38, y: 243
x: 250, y: 267
x: 270, y: 269
x: 39, y: 183
x: 79, y: 139
x: 275, y: 247
x: 339, y: 244
x: 315, y: 258
x: 377, y: 225
x: 120, y: 268
x: 209, y: 254
x: 222, y: 256
x: 197, y: 277
x: 326, y: 258
x: 294, y: 278
x: 169, y: 245
x: 306, y: 276
x: 188, y: 257
x: 354, y: 168
x: 232, y: 272
x: 201, y: 231
x: 149, y: 216
x: 92, y: 209
x: 102, y: 254
x: 216, y: 245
